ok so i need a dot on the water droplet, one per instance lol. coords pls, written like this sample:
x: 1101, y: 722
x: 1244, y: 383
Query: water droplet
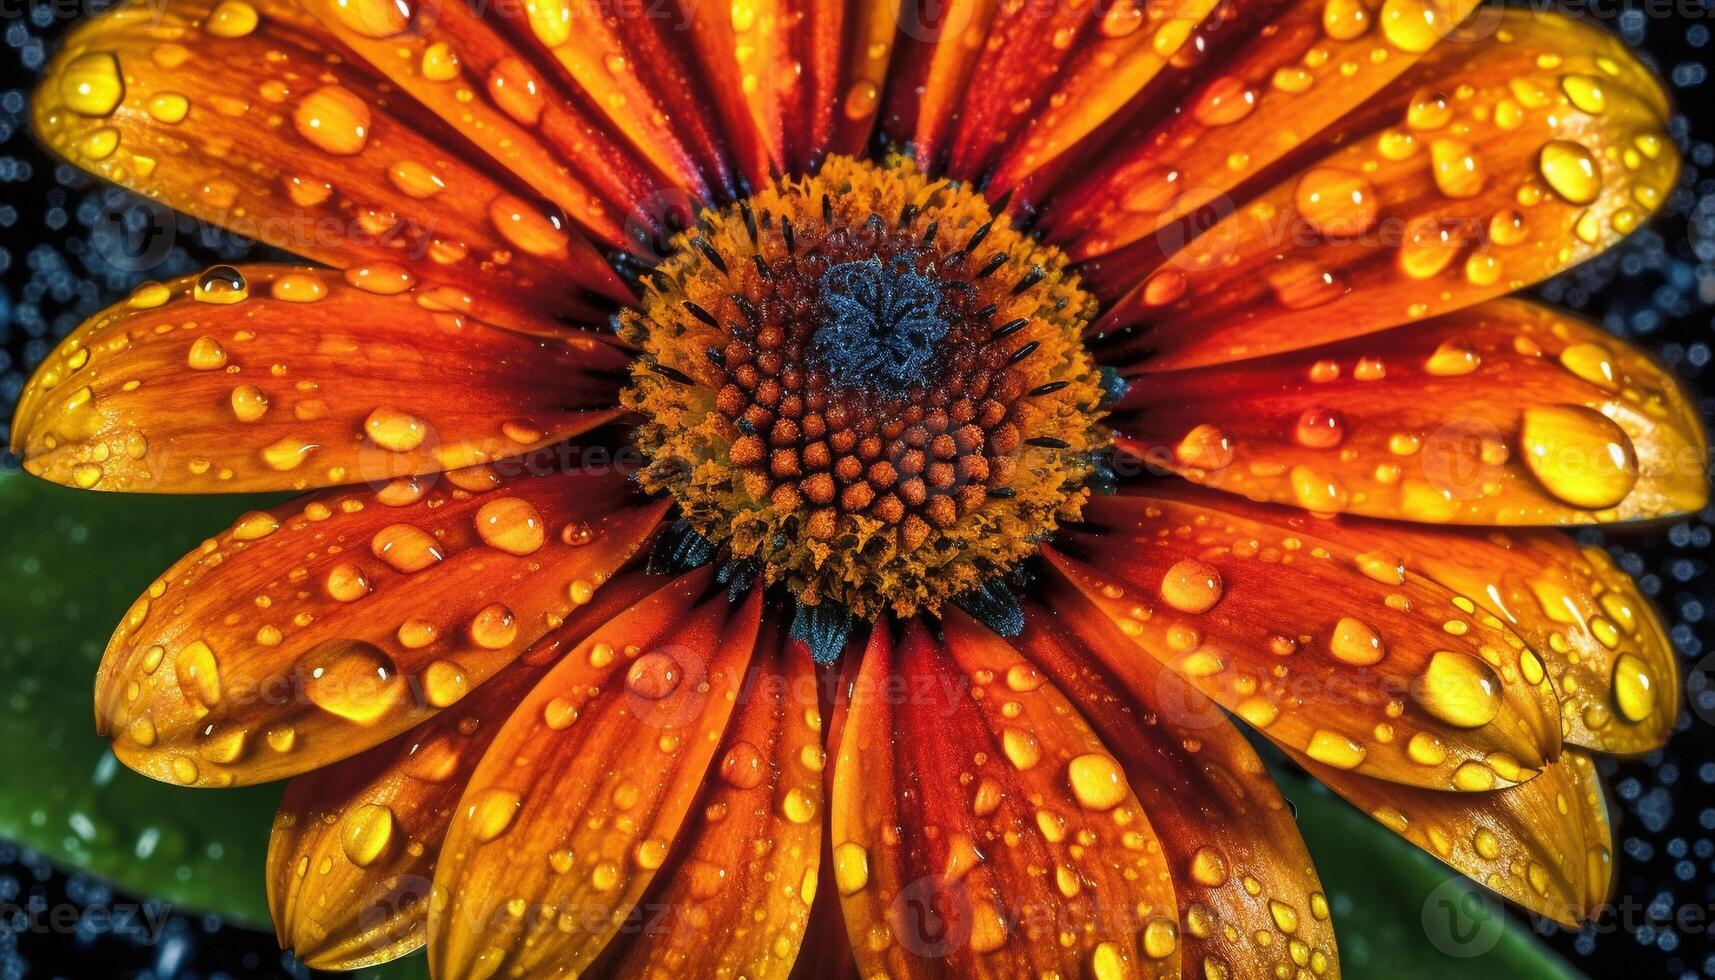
x: 798, y: 806
x: 350, y: 679
x: 493, y: 627
x: 1571, y: 170
x: 1579, y: 455
x: 334, y: 119
x: 367, y: 832
x: 1414, y: 25
x: 1208, y: 867
x: 1097, y: 782
x: 1331, y: 748
x: 492, y: 813
x: 1634, y: 688
x: 1451, y: 359
x: 1021, y: 748
x: 1191, y: 586
x: 198, y: 673
x: 232, y: 18
x: 1457, y: 170
x: 654, y: 676
x: 511, y: 525
x: 1586, y: 93
x: 1354, y: 642
x: 851, y: 867
x: 1459, y: 689
x: 444, y: 683
x: 743, y: 766
x: 222, y: 285
x: 527, y: 228
x: 406, y: 547
x: 1319, y: 428
x: 1336, y: 202
x: 298, y: 287
x: 90, y: 84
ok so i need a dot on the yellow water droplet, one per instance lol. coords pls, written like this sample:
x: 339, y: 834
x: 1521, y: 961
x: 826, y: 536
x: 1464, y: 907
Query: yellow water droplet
x: 851, y: 867
x: 374, y: 18
x: 232, y: 18
x: 526, y: 227
x: 346, y: 582
x: 367, y: 832
x: 1586, y: 93
x: 440, y: 62
x: 1109, y: 962
x: 298, y: 287
x: 798, y: 806
x: 350, y: 679
x: 1634, y: 688
x: 335, y: 120
x: 1579, y: 455
x: 1285, y: 916
x: 1021, y: 748
x: 1355, y: 642
x: 1205, y: 447
x: 90, y: 84
x: 1335, y: 202
x: 1191, y: 586
x: 1425, y: 750
x: 1344, y: 20
x: 493, y: 627
x: 492, y: 813
x: 444, y: 683
x: 198, y: 672
x: 1571, y: 170
x: 1414, y: 25
x: 1334, y: 749
x: 1160, y: 938
x: 394, y: 430
x: 511, y: 525
x: 254, y: 525
x: 1457, y: 169
x: 1208, y: 867
x: 1097, y: 782
x: 1452, y: 359
x: 1459, y: 689
x: 406, y: 547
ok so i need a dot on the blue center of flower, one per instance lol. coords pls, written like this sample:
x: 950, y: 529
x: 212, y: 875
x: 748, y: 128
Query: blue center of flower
x: 880, y: 325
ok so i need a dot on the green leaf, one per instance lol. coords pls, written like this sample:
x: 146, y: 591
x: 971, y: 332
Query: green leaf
x: 71, y: 564
x: 1399, y: 914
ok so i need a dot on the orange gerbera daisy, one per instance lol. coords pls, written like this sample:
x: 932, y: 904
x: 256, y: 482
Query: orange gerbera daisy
x: 990, y: 400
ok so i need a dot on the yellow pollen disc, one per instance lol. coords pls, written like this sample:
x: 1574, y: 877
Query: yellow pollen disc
x: 868, y: 386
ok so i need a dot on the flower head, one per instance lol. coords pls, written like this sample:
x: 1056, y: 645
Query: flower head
x: 1011, y: 395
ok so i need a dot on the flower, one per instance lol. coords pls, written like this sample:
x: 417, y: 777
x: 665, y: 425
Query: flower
x: 1011, y: 392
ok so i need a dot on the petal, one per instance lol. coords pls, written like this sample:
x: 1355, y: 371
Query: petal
x: 735, y: 896
x: 309, y: 382
x: 983, y: 829
x: 1272, y: 614
x: 319, y: 628
x: 355, y: 844
x: 1544, y: 844
x: 1505, y: 413
x: 580, y: 798
x: 1475, y: 174
x: 1604, y: 648
x: 812, y: 73
x: 1218, y: 125
x: 1249, y: 897
x: 529, y: 120
x: 309, y: 154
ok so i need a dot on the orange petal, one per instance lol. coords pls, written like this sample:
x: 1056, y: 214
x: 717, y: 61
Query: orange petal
x: 248, y: 118
x: 1213, y: 121
x: 1544, y: 844
x: 1505, y: 413
x: 355, y: 844
x: 312, y: 631
x: 580, y: 798
x: 735, y: 896
x: 1603, y: 647
x: 309, y: 382
x: 812, y: 73
x: 1276, y: 617
x: 988, y: 834
x: 1489, y: 166
x: 528, y: 121
x: 1249, y: 898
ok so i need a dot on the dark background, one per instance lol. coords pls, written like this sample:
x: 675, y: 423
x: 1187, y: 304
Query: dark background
x: 1658, y: 289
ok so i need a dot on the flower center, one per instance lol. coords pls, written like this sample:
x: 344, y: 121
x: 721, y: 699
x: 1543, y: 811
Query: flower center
x: 866, y: 387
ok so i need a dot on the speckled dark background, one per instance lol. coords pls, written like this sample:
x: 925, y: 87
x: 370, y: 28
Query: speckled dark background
x: 1658, y: 289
